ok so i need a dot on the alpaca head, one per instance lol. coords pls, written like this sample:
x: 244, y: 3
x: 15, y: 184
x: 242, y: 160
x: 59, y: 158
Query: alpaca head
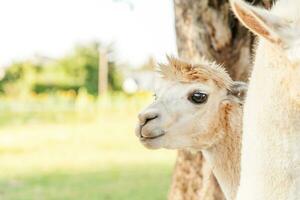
x: 279, y: 27
x: 187, y: 107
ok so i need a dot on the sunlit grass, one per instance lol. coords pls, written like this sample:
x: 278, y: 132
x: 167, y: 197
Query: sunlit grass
x: 94, y: 157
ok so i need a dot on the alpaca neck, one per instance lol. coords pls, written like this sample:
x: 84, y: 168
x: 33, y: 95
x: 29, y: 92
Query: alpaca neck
x: 271, y: 130
x: 224, y: 156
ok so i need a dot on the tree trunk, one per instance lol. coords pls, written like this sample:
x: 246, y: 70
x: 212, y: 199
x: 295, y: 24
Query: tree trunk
x: 208, y: 28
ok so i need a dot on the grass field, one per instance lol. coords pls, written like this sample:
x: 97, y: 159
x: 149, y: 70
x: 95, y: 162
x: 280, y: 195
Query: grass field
x: 86, y: 158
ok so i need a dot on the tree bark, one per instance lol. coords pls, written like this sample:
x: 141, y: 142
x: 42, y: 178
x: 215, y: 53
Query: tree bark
x: 208, y: 28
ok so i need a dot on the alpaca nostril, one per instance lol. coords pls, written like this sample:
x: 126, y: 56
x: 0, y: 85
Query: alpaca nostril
x: 149, y: 119
x: 146, y: 116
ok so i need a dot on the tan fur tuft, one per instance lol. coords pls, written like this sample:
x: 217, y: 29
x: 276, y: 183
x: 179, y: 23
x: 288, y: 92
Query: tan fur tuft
x: 183, y: 71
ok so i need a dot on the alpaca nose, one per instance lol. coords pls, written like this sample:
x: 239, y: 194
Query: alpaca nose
x: 146, y: 117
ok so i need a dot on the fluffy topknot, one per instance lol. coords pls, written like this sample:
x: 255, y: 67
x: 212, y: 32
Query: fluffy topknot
x: 179, y: 70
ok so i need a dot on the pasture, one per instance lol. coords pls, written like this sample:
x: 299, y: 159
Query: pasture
x: 83, y: 149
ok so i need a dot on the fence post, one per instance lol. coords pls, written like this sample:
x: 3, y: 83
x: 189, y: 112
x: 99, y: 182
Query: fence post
x: 103, y: 72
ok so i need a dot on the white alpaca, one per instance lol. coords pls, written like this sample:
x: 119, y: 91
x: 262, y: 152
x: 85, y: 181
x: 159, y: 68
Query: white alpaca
x: 198, y: 107
x: 270, y: 163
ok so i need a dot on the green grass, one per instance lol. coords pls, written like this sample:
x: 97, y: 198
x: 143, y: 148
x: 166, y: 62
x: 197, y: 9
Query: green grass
x: 121, y: 182
x: 94, y: 157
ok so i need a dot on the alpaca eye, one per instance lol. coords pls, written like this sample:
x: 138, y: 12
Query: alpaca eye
x: 198, y: 97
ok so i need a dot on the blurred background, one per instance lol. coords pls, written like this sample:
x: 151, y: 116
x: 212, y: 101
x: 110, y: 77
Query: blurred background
x: 73, y: 76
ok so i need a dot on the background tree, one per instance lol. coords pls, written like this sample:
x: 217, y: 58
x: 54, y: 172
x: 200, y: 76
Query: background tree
x: 78, y: 69
x: 208, y: 28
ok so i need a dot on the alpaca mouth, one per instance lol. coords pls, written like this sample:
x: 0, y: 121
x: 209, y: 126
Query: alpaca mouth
x: 151, y: 138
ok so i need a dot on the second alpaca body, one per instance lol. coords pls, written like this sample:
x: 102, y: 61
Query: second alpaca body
x: 270, y: 162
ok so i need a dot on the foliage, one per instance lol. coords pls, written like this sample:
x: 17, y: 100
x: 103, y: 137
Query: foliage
x: 19, y: 78
x: 78, y: 69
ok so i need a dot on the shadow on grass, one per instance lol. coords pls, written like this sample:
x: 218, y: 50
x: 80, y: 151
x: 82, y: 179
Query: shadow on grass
x: 135, y: 182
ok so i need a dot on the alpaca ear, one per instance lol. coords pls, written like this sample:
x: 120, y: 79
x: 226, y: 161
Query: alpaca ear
x: 259, y: 21
x: 239, y: 90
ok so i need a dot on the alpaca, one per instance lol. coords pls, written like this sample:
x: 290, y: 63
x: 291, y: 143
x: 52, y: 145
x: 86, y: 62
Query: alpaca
x: 270, y: 158
x: 198, y: 107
